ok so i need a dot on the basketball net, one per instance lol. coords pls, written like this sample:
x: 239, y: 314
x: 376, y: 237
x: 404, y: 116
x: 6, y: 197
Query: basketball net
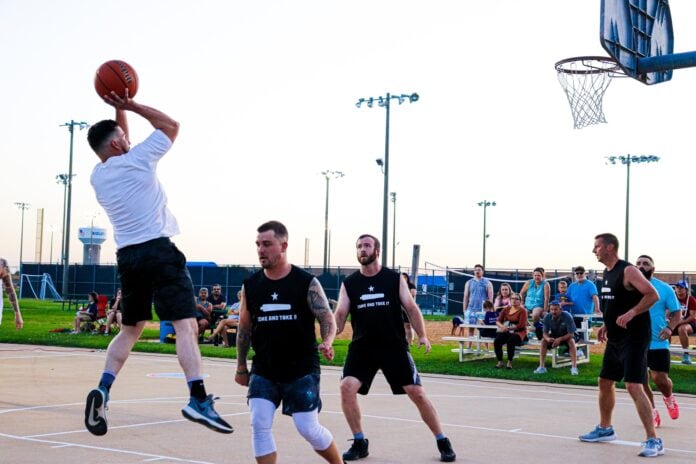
x: 584, y: 80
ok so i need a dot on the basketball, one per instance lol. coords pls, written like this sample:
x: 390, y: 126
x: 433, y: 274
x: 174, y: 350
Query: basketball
x: 118, y: 76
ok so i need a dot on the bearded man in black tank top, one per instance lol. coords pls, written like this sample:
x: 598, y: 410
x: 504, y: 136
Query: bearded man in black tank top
x: 626, y: 297
x: 278, y: 308
x: 374, y: 297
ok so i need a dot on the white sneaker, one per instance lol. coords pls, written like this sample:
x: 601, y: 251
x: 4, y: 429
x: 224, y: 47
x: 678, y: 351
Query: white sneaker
x: 540, y: 370
x: 581, y: 354
x: 574, y: 371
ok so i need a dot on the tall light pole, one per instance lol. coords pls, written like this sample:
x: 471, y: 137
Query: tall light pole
x: 485, y: 204
x: 23, y: 207
x: 328, y: 175
x: 385, y: 102
x: 52, y: 228
x: 66, y: 229
x: 627, y: 161
x: 393, y: 199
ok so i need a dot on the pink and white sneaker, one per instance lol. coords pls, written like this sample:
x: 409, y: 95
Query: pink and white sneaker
x: 672, y: 406
x: 656, y: 419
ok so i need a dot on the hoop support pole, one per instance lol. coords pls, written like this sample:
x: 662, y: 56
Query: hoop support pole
x: 666, y: 62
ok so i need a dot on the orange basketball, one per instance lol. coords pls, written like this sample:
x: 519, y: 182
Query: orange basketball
x: 118, y: 76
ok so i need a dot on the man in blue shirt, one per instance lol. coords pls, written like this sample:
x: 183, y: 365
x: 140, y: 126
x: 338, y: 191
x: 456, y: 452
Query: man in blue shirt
x: 661, y: 332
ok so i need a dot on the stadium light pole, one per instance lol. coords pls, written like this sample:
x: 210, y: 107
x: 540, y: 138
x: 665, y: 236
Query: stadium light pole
x: 328, y: 175
x: 66, y: 229
x: 23, y: 207
x: 393, y: 199
x: 52, y: 228
x: 485, y: 204
x: 628, y: 160
x: 385, y: 102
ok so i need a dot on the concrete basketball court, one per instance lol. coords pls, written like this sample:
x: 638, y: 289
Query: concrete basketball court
x: 44, y: 388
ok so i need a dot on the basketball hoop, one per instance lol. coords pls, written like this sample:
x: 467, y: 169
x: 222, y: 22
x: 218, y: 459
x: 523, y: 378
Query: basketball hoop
x: 584, y: 80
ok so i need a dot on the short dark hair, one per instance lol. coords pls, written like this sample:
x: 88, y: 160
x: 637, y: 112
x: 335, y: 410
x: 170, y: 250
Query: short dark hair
x: 280, y: 231
x: 478, y: 265
x: 375, y: 239
x: 609, y: 239
x: 539, y: 269
x: 647, y: 257
x: 100, y: 133
x: 94, y: 296
x: 487, y: 304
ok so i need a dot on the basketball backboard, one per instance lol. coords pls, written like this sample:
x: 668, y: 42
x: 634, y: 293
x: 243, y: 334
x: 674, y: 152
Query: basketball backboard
x: 633, y: 30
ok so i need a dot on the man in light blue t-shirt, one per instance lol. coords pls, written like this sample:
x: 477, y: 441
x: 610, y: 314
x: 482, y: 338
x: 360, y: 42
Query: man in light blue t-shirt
x: 661, y: 331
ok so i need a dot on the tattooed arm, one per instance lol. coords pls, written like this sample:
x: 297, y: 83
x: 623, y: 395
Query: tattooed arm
x: 319, y: 305
x: 243, y: 342
x: 12, y: 297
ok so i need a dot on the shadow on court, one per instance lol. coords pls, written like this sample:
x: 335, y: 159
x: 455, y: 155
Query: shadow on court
x: 44, y: 388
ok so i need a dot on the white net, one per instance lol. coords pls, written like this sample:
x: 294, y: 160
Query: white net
x: 584, y: 80
x: 39, y: 287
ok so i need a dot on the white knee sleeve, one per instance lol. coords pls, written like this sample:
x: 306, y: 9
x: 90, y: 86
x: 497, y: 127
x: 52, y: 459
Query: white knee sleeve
x: 307, y: 424
x: 262, y: 412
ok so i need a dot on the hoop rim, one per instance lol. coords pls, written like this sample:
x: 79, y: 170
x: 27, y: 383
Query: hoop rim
x: 612, y: 67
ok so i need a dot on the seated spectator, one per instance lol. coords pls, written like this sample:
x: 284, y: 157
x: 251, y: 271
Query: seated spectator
x: 502, y: 298
x: 204, y: 311
x: 559, y: 329
x: 563, y: 298
x: 512, y: 330
x: 218, y: 300
x: 490, y: 316
x: 457, y: 321
x: 114, y: 312
x: 88, y: 314
x: 225, y: 324
x: 536, y: 295
x: 687, y: 326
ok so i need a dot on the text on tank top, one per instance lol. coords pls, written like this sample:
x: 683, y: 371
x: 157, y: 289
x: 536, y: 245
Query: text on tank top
x: 283, y: 326
x: 616, y: 300
x: 375, y: 309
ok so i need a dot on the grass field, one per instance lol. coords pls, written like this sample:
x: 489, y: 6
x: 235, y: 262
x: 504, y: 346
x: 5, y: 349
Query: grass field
x: 41, y: 317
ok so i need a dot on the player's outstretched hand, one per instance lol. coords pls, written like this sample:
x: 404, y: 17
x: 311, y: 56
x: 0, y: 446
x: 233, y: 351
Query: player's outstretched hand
x: 118, y: 102
x: 327, y: 351
x: 423, y: 341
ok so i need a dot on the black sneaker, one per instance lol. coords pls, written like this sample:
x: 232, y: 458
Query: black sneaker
x: 95, y: 411
x: 204, y: 413
x: 446, y: 451
x: 358, y: 450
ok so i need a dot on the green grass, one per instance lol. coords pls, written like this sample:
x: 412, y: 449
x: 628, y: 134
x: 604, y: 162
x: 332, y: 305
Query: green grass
x: 41, y: 317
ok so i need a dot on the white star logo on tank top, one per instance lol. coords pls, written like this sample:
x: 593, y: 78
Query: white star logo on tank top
x: 371, y: 288
x: 274, y: 295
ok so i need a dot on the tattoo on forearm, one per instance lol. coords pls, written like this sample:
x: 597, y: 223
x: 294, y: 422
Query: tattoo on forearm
x: 319, y: 305
x: 243, y: 343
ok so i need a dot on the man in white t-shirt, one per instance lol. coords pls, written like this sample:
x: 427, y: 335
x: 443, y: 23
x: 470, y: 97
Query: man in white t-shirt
x: 7, y: 284
x: 150, y: 266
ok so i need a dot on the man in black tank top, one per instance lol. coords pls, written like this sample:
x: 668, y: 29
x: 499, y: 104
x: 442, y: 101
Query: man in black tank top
x: 374, y: 297
x: 278, y: 309
x: 626, y: 297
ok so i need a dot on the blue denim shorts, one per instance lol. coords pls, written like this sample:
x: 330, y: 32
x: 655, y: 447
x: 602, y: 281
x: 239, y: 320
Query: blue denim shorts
x: 300, y: 395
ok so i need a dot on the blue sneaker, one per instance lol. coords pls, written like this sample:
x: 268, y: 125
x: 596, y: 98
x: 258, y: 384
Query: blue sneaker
x: 95, y: 411
x: 652, y: 447
x: 599, y: 434
x: 204, y: 413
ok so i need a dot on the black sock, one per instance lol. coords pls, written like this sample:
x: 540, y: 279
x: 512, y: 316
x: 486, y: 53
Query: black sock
x: 197, y: 389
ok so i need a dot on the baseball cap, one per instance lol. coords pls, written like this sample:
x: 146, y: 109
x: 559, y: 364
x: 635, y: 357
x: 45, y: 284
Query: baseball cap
x: 555, y: 302
x: 682, y: 284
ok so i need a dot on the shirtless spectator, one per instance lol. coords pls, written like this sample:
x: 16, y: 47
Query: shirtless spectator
x: 687, y: 326
x: 225, y: 324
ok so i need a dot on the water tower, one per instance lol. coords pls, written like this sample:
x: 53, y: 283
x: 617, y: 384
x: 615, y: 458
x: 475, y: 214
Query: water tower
x: 91, y: 238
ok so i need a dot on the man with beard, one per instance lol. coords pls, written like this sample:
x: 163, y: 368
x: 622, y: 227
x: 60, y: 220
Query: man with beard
x: 661, y: 332
x: 374, y: 297
x: 278, y: 309
x: 626, y: 298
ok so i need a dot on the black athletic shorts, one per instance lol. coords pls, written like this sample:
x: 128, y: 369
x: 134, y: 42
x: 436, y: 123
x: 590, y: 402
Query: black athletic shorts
x: 658, y: 360
x: 397, y: 366
x: 154, y: 271
x: 626, y: 360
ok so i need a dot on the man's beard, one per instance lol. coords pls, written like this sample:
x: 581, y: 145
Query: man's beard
x: 369, y: 259
x: 647, y: 274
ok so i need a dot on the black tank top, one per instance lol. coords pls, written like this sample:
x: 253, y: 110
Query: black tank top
x: 282, y: 326
x: 375, y: 309
x: 617, y: 300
